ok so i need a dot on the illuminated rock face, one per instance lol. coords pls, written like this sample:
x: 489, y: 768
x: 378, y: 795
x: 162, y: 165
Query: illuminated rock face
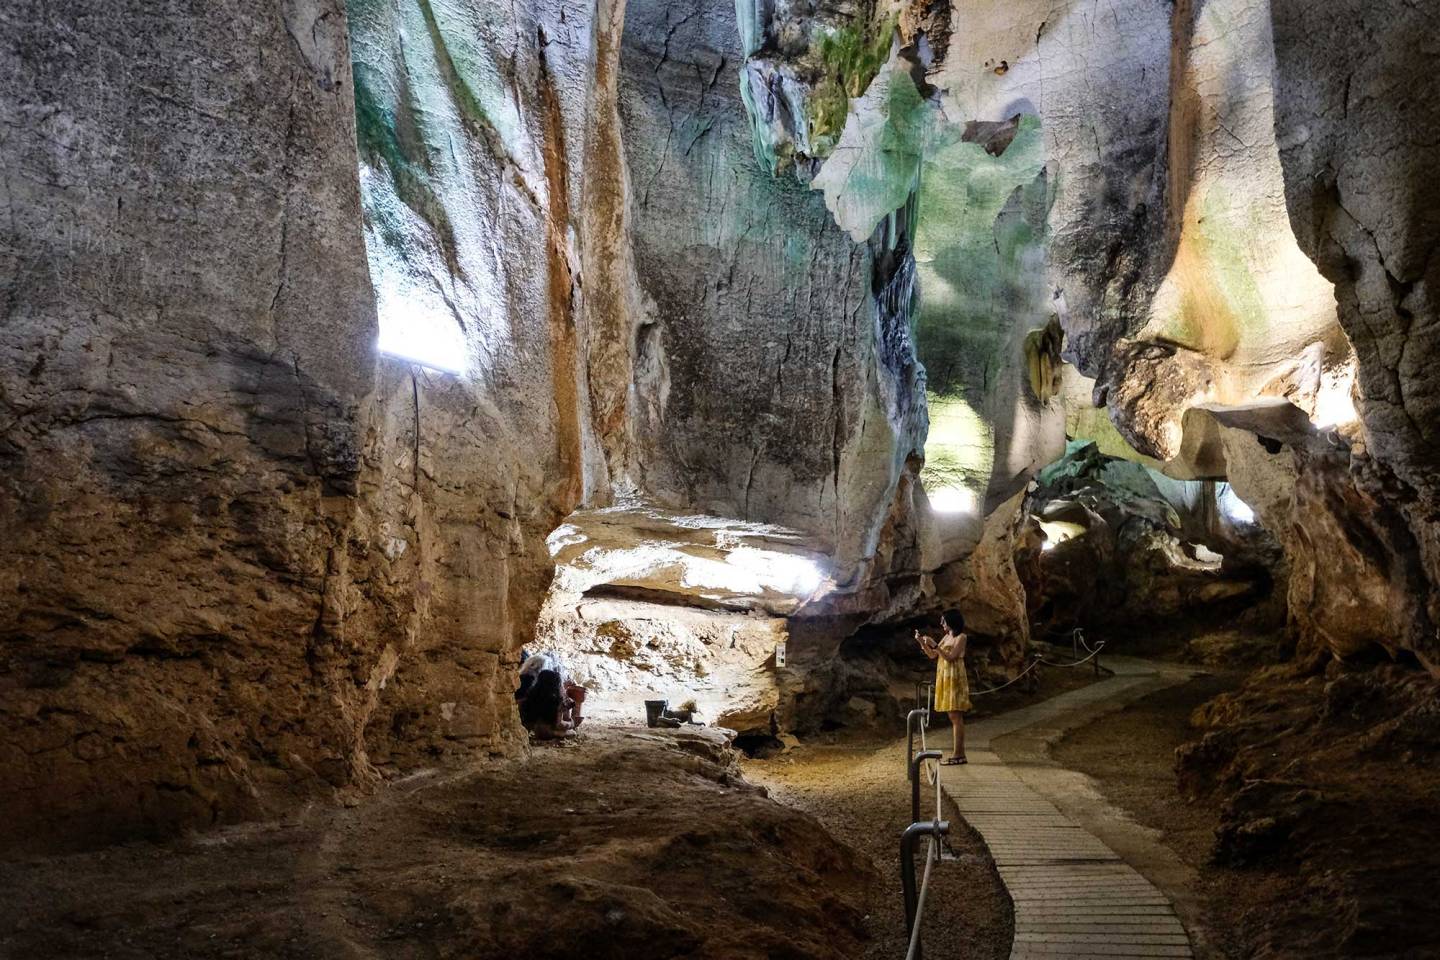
x: 980, y: 259
x: 1116, y: 546
x: 767, y: 386
x: 648, y: 604
x: 1096, y: 78
x: 1151, y: 162
x: 1358, y: 123
x: 1356, y: 575
x: 248, y: 559
x: 245, y: 559
x: 1169, y: 256
x: 1245, y: 312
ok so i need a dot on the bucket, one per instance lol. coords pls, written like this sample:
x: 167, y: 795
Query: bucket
x: 654, y: 710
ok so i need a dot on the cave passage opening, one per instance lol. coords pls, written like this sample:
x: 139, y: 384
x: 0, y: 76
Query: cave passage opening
x: 1120, y: 550
x: 692, y: 609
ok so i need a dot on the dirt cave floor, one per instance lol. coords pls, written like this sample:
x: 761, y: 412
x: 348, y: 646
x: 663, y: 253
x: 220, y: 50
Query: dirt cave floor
x: 625, y: 843
x: 1320, y: 842
x: 857, y: 787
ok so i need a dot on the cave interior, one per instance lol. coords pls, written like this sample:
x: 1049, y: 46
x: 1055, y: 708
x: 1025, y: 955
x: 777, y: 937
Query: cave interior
x: 354, y: 350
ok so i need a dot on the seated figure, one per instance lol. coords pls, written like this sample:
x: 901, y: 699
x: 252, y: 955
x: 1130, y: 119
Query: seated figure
x: 550, y: 704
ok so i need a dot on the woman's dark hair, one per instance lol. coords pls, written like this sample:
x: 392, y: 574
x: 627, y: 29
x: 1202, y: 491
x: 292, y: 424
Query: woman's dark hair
x: 543, y: 701
x: 954, y: 619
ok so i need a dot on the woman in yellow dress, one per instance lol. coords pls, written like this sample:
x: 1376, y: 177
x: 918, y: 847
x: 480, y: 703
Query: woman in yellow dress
x: 952, y: 686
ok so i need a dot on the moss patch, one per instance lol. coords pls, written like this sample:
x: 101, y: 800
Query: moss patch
x: 847, y: 59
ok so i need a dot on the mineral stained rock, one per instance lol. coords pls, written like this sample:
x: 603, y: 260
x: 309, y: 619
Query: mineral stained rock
x: 186, y: 393
x: 1356, y: 578
x: 247, y: 557
x: 765, y: 387
x: 250, y: 558
x: 1120, y: 547
x: 244, y: 557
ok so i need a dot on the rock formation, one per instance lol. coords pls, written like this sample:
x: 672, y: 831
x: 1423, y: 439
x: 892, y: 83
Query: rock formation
x: 813, y: 269
x: 1120, y: 547
x: 245, y: 556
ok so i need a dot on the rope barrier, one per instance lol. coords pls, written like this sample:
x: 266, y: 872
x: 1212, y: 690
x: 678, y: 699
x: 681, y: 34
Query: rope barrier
x: 1034, y: 662
x: 932, y: 771
x: 1038, y: 659
x: 920, y: 900
x: 929, y: 766
x: 935, y: 778
x: 1092, y: 655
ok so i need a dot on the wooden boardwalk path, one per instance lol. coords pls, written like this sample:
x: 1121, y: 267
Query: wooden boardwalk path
x: 1074, y: 897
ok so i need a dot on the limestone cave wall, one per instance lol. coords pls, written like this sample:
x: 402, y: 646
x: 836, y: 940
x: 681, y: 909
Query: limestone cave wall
x: 739, y: 259
x: 250, y: 558
x: 768, y: 386
x: 245, y: 557
x: 1358, y: 125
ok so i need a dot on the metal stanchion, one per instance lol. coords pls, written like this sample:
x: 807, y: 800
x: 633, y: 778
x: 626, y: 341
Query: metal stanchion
x: 935, y: 829
x: 910, y: 735
x: 921, y: 712
x: 915, y: 763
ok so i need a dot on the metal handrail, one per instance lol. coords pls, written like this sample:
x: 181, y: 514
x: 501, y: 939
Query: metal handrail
x: 935, y: 830
x: 915, y: 903
x: 915, y: 763
x: 910, y: 718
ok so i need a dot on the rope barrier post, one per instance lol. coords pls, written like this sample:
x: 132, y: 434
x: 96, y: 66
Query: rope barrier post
x: 910, y: 735
x: 915, y: 763
x: 934, y: 829
x: 922, y: 710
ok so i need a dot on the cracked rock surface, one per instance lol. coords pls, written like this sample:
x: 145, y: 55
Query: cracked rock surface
x: 248, y: 559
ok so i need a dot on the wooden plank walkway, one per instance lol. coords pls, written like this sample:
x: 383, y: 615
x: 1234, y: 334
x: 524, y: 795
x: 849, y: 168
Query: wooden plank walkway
x: 1074, y: 897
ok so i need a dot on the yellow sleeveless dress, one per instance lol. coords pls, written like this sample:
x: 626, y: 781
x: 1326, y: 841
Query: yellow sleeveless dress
x: 952, y: 686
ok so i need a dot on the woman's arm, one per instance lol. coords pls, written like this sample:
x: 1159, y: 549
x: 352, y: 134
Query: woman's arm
x: 927, y: 646
x: 955, y: 649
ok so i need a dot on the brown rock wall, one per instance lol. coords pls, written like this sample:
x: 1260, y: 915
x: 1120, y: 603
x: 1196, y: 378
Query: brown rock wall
x: 242, y: 557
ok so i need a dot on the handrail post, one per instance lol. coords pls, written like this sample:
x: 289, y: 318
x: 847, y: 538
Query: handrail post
x: 910, y: 735
x: 922, y: 712
x: 922, y: 695
x: 908, y: 839
x: 915, y: 763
